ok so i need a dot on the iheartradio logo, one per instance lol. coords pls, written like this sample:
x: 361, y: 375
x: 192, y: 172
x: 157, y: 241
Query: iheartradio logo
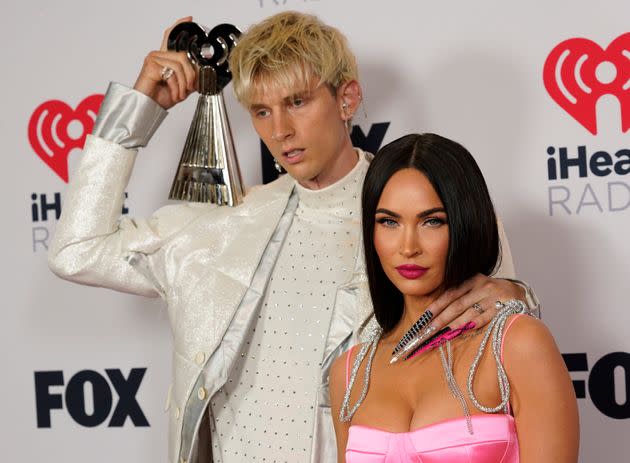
x: 578, y: 72
x: 55, y: 129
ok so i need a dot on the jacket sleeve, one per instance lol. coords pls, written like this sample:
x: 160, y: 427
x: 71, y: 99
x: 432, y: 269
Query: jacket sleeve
x: 506, y: 266
x: 94, y: 245
x: 127, y: 117
x: 506, y: 271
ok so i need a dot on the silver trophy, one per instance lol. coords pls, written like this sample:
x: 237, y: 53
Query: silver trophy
x: 208, y: 169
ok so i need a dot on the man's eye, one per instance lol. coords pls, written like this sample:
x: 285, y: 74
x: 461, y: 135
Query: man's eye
x: 298, y: 102
x: 262, y: 113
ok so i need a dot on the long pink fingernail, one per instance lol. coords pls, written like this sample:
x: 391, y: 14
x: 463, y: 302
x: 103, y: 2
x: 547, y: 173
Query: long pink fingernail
x: 421, y: 350
x: 447, y: 336
x: 453, y: 334
x: 428, y: 346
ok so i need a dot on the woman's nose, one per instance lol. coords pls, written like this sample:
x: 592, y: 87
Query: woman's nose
x: 410, y: 245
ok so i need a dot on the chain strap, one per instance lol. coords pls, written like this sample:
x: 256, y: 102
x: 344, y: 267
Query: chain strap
x: 496, y: 328
x: 346, y: 413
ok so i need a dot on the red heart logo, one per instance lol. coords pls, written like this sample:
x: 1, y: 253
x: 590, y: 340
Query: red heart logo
x: 55, y: 129
x: 578, y: 72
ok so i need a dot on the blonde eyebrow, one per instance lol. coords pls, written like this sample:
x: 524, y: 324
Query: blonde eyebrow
x: 287, y: 99
x: 256, y: 106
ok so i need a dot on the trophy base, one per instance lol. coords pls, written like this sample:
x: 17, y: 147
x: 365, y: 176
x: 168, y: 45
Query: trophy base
x: 200, y: 192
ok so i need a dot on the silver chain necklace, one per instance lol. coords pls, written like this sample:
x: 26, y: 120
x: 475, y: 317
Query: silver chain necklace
x: 447, y: 365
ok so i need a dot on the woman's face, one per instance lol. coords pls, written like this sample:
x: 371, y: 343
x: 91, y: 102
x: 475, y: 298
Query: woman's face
x: 411, y: 234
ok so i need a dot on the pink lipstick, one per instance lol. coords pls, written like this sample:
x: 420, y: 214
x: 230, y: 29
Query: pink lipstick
x: 411, y: 271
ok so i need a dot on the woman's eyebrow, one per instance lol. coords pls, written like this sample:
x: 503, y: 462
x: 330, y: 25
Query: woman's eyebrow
x: 433, y: 210
x: 386, y: 211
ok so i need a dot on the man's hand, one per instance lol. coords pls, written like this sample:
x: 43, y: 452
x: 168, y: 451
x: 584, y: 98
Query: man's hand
x: 474, y: 300
x: 182, y: 81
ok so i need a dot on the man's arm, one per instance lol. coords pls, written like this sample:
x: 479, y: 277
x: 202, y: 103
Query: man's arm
x: 93, y: 244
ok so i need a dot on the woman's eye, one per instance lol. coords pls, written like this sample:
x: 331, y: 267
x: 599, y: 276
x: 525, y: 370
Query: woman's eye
x: 434, y: 222
x: 262, y: 113
x: 387, y: 222
x: 297, y: 102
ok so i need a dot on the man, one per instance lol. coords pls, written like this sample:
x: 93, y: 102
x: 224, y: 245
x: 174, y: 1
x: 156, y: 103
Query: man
x: 262, y: 297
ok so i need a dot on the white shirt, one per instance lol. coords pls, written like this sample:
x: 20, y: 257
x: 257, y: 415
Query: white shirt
x: 265, y: 410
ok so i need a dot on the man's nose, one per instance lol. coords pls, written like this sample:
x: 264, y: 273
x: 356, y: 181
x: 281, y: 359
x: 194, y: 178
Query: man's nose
x: 282, y: 128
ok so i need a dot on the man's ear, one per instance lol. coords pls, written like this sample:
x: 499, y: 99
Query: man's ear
x: 349, y: 95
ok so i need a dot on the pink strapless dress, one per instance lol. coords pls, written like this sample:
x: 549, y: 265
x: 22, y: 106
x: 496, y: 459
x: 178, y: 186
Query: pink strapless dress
x: 494, y: 441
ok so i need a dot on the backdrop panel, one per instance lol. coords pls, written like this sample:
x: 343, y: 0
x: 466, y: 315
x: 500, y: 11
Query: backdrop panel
x: 547, y: 120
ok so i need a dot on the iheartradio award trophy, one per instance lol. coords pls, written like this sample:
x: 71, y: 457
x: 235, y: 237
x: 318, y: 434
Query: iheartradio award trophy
x: 208, y: 169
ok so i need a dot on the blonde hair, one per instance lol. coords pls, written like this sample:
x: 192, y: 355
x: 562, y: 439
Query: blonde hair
x: 288, y: 50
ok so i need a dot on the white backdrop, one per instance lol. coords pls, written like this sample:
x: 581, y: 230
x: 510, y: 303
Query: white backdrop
x: 472, y: 71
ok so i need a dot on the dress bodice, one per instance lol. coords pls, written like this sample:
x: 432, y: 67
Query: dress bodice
x: 494, y: 441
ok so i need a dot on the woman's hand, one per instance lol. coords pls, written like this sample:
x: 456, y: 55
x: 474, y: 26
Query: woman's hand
x: 153, y: 80
x: 474, y: 300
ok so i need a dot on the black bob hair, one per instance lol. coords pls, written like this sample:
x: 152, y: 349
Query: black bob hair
x: 472, y: 225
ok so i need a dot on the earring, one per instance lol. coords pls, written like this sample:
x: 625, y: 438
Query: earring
x: 348, y: 122
x: 277, y: 166
x: 365, y: 115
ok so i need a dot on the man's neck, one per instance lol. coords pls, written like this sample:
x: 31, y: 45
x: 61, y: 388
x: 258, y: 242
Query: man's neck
x: 342, y: 166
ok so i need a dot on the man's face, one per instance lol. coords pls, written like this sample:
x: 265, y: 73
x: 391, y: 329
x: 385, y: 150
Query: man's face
x: 304, y: 129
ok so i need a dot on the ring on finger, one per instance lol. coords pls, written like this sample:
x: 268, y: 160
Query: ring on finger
x: 166, y: 73
x: 499, y: 305
x: 478, y: 308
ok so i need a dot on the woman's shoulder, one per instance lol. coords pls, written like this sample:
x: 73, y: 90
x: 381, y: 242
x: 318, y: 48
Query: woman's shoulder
x: 526, y: 339
x: 340, y: 374
x: 342, y: 364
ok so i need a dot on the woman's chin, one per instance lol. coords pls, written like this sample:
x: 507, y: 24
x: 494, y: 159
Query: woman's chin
x: 416, y: 289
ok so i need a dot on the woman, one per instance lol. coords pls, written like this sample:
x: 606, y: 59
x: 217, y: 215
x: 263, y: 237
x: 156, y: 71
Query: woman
x: 428, y: 224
